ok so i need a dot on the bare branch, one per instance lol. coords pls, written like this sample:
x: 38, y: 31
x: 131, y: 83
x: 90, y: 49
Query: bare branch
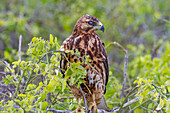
x: 125, y: 66
x: 9, y: 68
x: 21, y: 72
x: 125, y: 73
x: 20, y: 40
x: 127, y: 98
x: 84, y: 99
x: 59, y: 111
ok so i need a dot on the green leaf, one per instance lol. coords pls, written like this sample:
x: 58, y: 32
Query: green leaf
x: 72, y: 52
x: 31, y: 99
x: 51, y: 39
x: 51, y: 86
x: 168, y: 105
x: 38, y: 88
x: 22, y: 95
x: 43, y: 105
x: 17, y: 100
x: 63, y: 84
x: 34, y: 39
x: 68, y: 73
x: 42, y: 97
x: 161, y: 104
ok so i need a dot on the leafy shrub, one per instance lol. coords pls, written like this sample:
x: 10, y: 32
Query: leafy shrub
x: 153, y: 79
x: 38, y: 82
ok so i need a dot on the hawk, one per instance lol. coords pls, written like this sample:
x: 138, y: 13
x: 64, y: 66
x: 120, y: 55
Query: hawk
x: 88, y: 43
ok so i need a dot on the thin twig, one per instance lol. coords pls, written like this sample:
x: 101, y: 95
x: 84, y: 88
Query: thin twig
x: 127, y: 98
x: 84, y: 99
x: 59, y: 111
x: 28, y: 81
x: 9, y: 68
x: 140, y: 104
x: 156, y: 87
x: 21, y: 72
x: 19, y: 55
x: 20, y: 40
x: 17, y: 88
x: 125, y: 73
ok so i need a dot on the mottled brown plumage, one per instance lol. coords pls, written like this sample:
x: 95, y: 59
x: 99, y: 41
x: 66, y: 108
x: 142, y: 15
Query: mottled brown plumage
x: 85, y: 39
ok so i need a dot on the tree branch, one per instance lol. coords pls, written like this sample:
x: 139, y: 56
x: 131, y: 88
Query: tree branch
x: 125, y: 66
x: 84, y: 99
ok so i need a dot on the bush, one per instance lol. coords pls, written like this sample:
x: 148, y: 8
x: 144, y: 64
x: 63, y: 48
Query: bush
x: 37, y: 82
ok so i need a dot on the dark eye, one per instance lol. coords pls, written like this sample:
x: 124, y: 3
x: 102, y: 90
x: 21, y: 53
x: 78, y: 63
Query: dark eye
x: 91, y: 23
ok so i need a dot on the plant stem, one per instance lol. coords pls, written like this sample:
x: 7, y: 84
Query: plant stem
x: 28, y: 81
x: 17, y: 88
x: 84, y: 100
x: 127, y: 98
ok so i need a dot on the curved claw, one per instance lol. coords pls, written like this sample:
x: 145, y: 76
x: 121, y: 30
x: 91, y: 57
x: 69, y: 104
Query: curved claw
x: 92, y: 108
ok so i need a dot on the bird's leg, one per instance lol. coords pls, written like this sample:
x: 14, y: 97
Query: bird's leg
x: 92, y: 105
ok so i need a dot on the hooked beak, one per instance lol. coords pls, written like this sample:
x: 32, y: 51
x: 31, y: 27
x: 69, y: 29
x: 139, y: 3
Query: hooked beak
x: 100, y: 26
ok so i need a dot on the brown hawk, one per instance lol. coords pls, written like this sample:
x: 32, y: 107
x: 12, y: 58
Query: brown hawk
x: 87, y: 42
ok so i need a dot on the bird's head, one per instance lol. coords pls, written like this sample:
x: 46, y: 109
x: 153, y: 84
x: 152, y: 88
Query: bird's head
x: 88, y: 24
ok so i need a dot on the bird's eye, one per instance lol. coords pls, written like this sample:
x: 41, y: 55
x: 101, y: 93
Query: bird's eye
x: 91, y: 23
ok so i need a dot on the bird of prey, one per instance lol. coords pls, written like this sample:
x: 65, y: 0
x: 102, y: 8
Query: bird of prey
x: 87, y: 42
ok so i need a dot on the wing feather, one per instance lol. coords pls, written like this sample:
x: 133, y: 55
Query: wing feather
x: 106, y: 65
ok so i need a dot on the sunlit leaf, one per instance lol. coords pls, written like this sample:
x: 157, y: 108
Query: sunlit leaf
x: 161, y: 104
x: 43, y: 105
x: 51, y: 39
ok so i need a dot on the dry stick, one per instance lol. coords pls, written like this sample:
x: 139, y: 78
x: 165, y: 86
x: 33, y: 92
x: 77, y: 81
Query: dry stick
x: 19, y: 49
x: 9, y: 68
x: 19, y: 55
x: 125, y: 66
x: 84, y: 99
x: 59, y: 111
x: 20, y: 40
x: 125, y: 72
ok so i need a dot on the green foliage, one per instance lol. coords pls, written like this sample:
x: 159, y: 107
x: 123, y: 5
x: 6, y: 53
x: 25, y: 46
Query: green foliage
x: 133, y: 20
x: 33, y: 94
x: 138, y: 25
x: 153, y: 79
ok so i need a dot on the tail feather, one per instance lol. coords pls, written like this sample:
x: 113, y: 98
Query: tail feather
x: 103, y: 104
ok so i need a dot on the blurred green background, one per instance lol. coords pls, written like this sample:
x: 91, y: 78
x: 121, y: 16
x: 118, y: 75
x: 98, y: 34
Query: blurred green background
x: 129, y: 22
x: 138, y: 25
